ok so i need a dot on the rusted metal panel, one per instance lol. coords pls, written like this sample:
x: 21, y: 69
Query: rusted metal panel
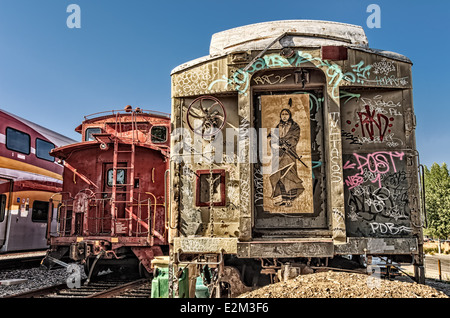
x: 378, y: 246
x: 334, y: 53
x: 281, y: 249
x: 205, y: 245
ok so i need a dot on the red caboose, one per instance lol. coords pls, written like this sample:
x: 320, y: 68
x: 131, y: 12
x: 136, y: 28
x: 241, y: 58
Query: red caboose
x: 113, y: 208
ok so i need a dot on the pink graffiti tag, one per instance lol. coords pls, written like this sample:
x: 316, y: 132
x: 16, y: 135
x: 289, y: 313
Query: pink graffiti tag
x: 369, y: 122
x: 354, y: 181
x: 376, y: 164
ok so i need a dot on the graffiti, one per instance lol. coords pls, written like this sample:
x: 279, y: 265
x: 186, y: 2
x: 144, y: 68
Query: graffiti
x: 335, y: 138
x: 314, y: 103
x: 376, y: 191
x: 240, y: 79
x: 389, y: 139
x: 389, y: 228
x: 361, y: 73
x: 370, y: 121
x: 378, y: 103
x: 195, y: 82
x: 259, y: 189
x: 375, y: 121
x: 354, y: 181
x: 383, y: 67
x: 270, y: 79
x: 366, y: 203
x: 375, y: 165
x: 338, y: 223
x: 348, y: 136
x: 349, y: 96
x: 390, y: 81
x: 315, y: 164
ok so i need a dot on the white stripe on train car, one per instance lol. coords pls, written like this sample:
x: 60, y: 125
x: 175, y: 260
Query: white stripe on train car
x: 18, y: 175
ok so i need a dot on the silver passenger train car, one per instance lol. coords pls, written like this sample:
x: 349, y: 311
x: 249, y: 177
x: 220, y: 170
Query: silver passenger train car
x: 293, y: 145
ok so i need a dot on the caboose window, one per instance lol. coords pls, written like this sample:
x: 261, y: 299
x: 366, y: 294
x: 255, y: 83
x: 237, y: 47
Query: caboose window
x: 120, y: 178
x: 89, y: 131
x: 17, y: 140
x: 159, y: 134
x: 43, y: 149
x: 2, y: 207
x: 40, y: 211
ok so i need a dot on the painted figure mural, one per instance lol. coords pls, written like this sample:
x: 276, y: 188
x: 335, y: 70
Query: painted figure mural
x: 290, y: 182
x: 286, y: 185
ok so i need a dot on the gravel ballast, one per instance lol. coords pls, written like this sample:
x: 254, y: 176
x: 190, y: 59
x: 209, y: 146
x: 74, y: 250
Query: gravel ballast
x: 318, y: 285
x: 35, y: 278
x: 344, y: 285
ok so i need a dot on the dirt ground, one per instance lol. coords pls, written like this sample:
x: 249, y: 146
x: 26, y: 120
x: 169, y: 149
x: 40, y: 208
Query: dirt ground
x: 431, y: 247
x: 333, y: 284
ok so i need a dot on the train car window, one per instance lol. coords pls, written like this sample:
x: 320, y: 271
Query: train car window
x: 43, y: 148
x: 89, y: 131
x: 40, y: 211
x: 120, y: 178
x: 159, y: 134
x: 2, y: 207
x: 17, y: 140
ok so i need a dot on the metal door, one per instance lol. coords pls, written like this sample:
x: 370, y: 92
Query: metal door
x: 288, y: 178
x: 5, y: 195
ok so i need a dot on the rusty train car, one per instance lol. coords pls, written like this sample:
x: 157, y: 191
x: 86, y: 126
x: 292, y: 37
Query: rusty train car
x: 293, y: 148
x: 112, y: 213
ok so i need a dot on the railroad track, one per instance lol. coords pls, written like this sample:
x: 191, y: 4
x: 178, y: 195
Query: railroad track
x: 140, y: 288
x: 21, y: 260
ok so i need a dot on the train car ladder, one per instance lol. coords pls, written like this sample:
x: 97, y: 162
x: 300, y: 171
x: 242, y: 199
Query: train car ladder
x: 129, y: 182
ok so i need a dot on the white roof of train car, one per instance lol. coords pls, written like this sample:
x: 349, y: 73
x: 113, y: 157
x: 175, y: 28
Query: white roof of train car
x: 56, y: 138
x: 299, y: 33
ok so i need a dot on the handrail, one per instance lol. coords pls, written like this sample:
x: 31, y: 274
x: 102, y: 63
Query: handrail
x: 121, y: 111
x: 166, y: 204
x: 423, y: 196
x: 154, y: 215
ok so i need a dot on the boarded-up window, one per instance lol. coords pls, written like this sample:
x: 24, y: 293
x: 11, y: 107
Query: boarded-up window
x: 210, y: 188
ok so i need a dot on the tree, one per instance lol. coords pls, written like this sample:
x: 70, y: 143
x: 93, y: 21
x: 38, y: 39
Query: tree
x: 437, y: 201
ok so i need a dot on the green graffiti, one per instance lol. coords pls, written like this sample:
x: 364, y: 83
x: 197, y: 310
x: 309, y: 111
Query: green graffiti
x: 240, y: 80
x: 344, y: 94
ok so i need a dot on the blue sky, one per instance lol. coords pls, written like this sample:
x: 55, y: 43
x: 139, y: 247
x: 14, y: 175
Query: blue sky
x: 124, y: 52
